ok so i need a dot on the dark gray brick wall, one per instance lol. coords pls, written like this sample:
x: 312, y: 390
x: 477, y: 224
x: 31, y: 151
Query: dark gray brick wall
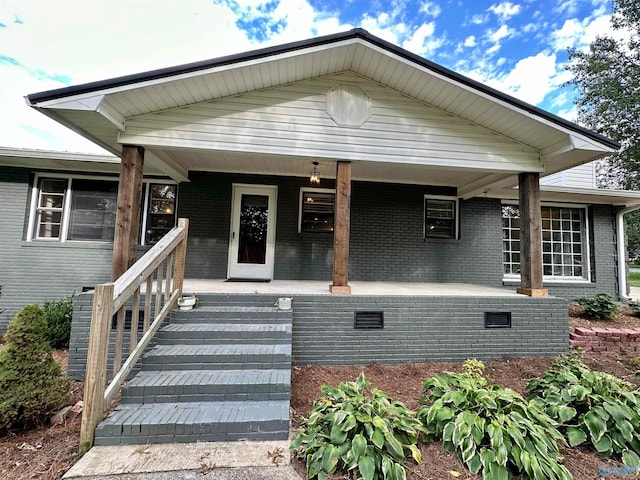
x: 386, y: 241
x: 386, y: 234
x: 416, y: 329
x: 33, y: 272
x: 79, y: 341
x: 206, y: 201
x: 419, y: 329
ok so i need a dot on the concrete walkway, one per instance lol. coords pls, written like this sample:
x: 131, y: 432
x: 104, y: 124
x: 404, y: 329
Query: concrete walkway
x: 219, y: 461
x: 634, y: 293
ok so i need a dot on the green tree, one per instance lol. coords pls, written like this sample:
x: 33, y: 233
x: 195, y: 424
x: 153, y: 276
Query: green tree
x: 607, y: 79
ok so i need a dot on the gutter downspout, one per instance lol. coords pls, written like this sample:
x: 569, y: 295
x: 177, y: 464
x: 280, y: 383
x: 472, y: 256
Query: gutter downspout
x: 620, y: 241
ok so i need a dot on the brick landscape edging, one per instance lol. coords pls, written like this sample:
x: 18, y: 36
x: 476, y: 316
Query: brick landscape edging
x: 598, y: 339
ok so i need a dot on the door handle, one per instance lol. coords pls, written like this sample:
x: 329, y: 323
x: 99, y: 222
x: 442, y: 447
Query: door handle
x: 233, y: 235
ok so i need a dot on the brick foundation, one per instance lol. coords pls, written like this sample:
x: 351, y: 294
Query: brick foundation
x: 605, y: 339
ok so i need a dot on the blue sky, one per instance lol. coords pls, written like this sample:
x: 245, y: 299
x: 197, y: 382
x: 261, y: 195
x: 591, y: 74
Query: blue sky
x: 518, y: 47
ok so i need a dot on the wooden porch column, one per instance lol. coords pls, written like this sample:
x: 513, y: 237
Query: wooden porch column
x: 530, y: 236
x: 125, y: 240
x: 341, y: 230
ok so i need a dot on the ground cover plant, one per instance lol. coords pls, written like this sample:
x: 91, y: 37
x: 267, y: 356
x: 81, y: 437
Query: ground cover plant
x: 493, y: 431
x: 352, y: 427
x: 595, y: 408
x: 600, y: 307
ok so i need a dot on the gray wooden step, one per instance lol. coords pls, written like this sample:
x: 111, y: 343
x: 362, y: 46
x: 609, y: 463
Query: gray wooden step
x: 217, y: 373
x: 214, y: 333
x: 132, y: 424
x: 207, y: 386
x: 232, y: 314
x: 224, y: 357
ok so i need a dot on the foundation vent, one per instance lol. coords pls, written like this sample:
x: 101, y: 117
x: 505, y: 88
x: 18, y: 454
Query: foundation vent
x: 368, y: 320
x: 497, y: 319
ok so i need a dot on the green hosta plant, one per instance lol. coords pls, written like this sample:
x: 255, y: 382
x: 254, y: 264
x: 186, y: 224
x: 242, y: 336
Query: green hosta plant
x: 601, y: 307
x: 492, y: 430
x: 349, y: 428
x: 594, y: 407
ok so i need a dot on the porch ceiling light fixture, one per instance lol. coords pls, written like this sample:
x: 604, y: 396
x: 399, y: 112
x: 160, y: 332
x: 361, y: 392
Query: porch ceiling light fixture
x: 314, y: 175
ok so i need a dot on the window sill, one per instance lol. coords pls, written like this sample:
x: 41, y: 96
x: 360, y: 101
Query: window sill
x: 439, y: 240
x: 76, y: 244
x: 512, y: 282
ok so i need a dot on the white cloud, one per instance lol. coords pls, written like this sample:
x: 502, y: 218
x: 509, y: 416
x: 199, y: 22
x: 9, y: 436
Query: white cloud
x: 423, y: 42
x: 431, y: 9
x: 505, y: 10
x: 479, y: 19
x: 470, y: 41
x: 577, y: 34
x: 566, y: 7
x: 531, y: 79
x: 496, y: 35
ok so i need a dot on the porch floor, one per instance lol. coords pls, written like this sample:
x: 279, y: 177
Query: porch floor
x: 321, y: 287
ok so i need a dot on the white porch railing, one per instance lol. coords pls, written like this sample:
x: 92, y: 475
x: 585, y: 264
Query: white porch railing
x: 164, y: 262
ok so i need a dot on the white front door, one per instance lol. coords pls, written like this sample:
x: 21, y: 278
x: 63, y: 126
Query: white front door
x: 253, y: 232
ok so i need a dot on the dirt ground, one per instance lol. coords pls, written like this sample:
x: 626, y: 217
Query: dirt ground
x: 47, y: 452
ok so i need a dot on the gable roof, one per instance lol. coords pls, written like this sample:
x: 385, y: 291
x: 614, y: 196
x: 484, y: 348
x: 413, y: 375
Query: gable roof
x: 100, y: 110
x: 357, y: 33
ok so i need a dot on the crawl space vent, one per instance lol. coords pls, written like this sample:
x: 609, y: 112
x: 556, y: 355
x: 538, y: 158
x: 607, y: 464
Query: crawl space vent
x: 368, y: 320
x: 497, y: 319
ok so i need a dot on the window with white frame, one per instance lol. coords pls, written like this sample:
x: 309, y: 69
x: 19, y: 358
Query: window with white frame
x: 564, y: 241
x: 83, y: 208
x: 440, y: 217
x: 316, y: 210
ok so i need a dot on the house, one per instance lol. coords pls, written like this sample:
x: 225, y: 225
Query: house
x: 422, y: 176
x: 412, y: 213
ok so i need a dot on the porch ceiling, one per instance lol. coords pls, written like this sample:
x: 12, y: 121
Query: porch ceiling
x: 233, y: 162
x: 100, y: 110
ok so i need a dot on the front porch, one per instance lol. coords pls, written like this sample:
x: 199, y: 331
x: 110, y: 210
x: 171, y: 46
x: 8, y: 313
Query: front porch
x: 292, y: 288
x: 411, y: 321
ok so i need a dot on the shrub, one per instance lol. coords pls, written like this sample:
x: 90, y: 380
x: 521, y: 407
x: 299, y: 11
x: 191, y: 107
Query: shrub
x: 32, y: 386
x: 491, y: 429
x: 595, y: 408
x: 58, y: 315
x: 349, y: 429
x: 635, y: 306
x: 601, y: 307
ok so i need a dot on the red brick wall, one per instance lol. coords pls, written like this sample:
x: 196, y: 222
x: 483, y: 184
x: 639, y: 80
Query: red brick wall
x: 605, y: 339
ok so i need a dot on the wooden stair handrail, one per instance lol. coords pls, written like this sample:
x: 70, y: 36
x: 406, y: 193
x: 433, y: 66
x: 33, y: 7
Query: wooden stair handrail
x: 111, y: 298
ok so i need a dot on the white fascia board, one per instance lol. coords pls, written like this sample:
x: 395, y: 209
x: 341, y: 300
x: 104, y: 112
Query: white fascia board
x: 111, y: 114
x: 88, y: 103
x: 167, y: 165
x: 486, y: 184
x: 6, y: 152
x: 601, y: 196
x: 572, y: 142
